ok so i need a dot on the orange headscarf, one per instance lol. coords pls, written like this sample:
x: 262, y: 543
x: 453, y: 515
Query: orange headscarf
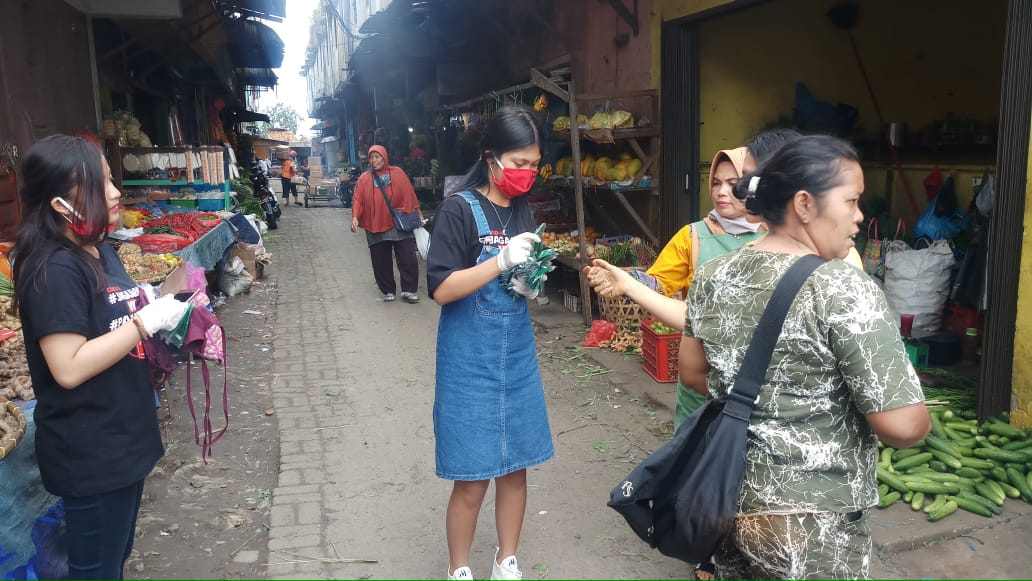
x: 369, y: 209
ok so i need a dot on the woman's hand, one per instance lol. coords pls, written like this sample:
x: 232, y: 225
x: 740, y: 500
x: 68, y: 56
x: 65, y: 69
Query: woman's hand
x: 354, y: 224
x: 609, y: 281
x: 163, y: 314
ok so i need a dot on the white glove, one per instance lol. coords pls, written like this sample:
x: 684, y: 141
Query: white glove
x: 163, y: 314
x: 518, y: 251
x: 521, y: 287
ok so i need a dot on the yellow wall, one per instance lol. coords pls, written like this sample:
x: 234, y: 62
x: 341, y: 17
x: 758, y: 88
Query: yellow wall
x: 926, y: 58
x: 1021, y: 408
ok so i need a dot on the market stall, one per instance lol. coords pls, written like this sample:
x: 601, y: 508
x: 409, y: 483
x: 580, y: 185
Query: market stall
x: 596, y: 188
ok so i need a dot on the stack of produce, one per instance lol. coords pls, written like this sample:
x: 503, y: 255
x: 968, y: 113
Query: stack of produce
x: 149, y: 268
x: 174, y: 232
x: 962, y: 464
x: 12, y: 427
x: 15, y: 382
x: 14, y: 371
x: 600, y: 170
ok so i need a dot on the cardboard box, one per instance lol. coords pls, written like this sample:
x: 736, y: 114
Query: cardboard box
x: 247, y: 256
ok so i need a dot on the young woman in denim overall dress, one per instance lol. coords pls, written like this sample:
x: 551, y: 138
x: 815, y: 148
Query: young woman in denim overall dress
x: 490, y: 417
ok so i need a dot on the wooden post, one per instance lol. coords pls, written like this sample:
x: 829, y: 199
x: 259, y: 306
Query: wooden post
x: 578, y: 196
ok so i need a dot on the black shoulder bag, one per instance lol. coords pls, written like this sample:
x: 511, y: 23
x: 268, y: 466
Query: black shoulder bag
x: 403, y: 221
x: 683, y: 498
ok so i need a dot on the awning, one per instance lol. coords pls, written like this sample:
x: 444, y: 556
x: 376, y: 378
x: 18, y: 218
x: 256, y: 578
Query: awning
x: 254, y: 45
x: 275, y: 10
x: 245, y: 116
x: 257, y: 77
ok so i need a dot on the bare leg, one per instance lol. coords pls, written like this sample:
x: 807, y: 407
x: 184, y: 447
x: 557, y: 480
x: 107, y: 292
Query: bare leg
x: 461, y: 522
x: 510, y: 506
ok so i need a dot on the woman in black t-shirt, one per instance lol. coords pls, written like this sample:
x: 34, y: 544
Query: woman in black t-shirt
x: 97, y: 432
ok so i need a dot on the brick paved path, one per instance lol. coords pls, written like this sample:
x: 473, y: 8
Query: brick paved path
x: 353, y: 393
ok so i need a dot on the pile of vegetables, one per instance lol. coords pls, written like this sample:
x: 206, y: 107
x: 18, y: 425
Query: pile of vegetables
x: 661, y: 329
x: 961, y: 464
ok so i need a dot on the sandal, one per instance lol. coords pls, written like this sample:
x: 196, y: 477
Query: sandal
x: 706, y: 571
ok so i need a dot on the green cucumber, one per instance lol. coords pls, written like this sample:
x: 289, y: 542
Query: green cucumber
x: 963, y: 501
x: 942, y: 446
x: 937, y: 427
x: 960, y: 428
x: 970, y: 473
x: 999, y: 474
x: 939, y: 477
x: 947, y: 415
x: 1005, y: 430
x: 988, y: 491
x: 891, y: 480
x: 934, y: 487
x: 1009, y: 490
x: 1017, y: 445
x: 935, y: 504
x: 938, y: 466
x: 1017, y: 479
x: 999, y: 454
x: 912, y: 461
x: 908, y: 497
x: 905, y: 453
x: 917, y: 502
x: 883, y: 489
x: 976, y: 463
x: 886, y: 458
x: 965, y: 443
x: 922, y: 469
x: 947, y: 509
x: 889, y: 499
x: 947, y: 459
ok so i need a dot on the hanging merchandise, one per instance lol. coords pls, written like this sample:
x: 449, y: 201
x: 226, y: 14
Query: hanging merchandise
x: 986, y: 195
x: 917, y: 282
x: 872, y: 255
x: 933, y: 183
x: 942, y: 219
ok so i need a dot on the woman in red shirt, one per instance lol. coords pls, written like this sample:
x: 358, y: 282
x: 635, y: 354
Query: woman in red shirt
x: 370, y: 213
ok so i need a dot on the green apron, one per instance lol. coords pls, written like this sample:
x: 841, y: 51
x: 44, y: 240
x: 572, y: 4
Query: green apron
x: 710, y: 246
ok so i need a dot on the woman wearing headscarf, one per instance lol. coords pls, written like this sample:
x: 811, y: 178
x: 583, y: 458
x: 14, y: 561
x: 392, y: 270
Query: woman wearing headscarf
x: 370, y: 213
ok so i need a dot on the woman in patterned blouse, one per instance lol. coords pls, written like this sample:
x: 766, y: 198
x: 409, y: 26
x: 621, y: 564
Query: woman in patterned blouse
x: 839, y: 378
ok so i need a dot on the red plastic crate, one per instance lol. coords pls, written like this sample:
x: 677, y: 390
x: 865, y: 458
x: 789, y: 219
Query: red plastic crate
x: 659, y: 353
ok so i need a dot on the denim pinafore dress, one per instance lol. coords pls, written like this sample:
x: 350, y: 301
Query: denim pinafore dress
x: 490, y: 417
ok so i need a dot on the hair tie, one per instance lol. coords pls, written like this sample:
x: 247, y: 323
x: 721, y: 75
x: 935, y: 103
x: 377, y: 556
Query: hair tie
x: 754, y: 183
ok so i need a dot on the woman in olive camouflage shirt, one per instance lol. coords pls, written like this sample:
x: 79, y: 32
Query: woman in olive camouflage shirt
x: 839, y: 378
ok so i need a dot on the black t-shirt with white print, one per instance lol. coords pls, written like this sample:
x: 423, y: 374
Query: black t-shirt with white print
x: 102, y: 435
x: 456, y: 244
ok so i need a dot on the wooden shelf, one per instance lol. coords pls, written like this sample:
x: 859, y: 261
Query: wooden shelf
x: 131, y: 183
x: 609, y: 136
x: 597, y: 189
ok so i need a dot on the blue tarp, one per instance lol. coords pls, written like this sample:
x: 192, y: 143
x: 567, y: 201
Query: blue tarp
x: 32, y: 524
x: 210, y: 248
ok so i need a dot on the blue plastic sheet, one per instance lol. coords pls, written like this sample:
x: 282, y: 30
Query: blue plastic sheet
x: 210, y: 248
x: 32, y: 526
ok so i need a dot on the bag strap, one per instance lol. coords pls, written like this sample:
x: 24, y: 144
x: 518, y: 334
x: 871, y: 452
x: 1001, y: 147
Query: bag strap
x: 753, y: 372
x: 383, y: 193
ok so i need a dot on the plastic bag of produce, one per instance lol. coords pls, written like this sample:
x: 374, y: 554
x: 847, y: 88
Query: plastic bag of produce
x: 917, y: 282
x: 600, y: 332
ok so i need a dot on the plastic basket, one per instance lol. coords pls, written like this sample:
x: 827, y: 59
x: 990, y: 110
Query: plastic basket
x: 211, y: 204
x: 659, y: 353
x: 182, y: 203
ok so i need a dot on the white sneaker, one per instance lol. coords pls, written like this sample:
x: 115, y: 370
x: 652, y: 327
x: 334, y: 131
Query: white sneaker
x: 462, y: 573
x: 389, y: 298
x: 507, y: 569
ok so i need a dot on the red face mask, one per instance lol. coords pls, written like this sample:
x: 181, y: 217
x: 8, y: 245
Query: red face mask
x: 515, y: 182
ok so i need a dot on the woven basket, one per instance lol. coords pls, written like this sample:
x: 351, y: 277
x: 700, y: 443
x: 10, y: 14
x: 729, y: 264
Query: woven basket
x: 9, y: 441
x: 622, y: 312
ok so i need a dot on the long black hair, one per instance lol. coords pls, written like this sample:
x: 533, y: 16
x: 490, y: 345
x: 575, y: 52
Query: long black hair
x: 55, y: 166
x: 511, y: 127
x: 810, y: 163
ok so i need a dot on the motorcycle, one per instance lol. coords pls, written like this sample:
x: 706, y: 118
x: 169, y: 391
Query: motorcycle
x: 346, y: 186
x: 267, y: 199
